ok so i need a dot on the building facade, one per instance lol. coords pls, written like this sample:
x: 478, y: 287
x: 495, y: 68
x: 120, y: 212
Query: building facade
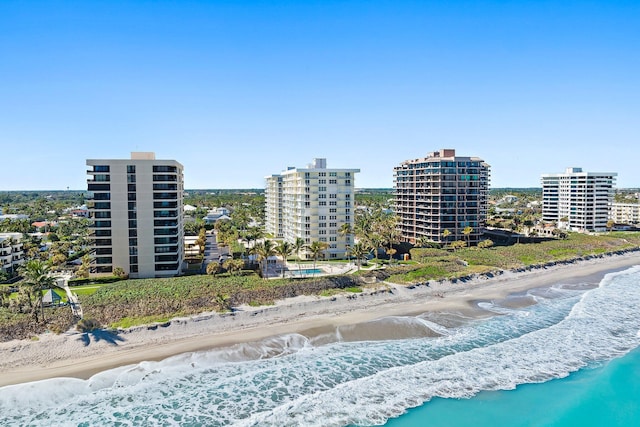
x: 625, y: 213
x: 137, y: 210
x: 312, y: 203
x: 11, y: 251
x: 441, y: 192
x: 578, y: 200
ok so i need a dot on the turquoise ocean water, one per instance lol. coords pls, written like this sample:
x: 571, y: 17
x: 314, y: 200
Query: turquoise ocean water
x: 560, y: 356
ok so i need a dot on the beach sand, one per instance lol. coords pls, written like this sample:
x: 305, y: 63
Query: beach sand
x: 81, y: 355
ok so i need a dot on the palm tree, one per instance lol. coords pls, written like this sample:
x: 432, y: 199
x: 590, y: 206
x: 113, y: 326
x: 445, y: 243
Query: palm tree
x: 284, y: 249
x: 37, y: 276
x: 346, y: 231
x: 317, y: 248
x: 263, y: 251
x: 445, y: 235
x: 359, y: 251
x: 298, y: 246
x: 467, y: 232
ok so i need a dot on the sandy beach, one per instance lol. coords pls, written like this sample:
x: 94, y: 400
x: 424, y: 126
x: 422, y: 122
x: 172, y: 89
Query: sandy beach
x: 81, y: 355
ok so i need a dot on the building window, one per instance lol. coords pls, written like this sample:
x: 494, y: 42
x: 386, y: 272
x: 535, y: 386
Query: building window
x: 333, y: 210
x: 322, y: 188
x: 322, y: 203
x: 333, y: 196
x: 333, y: 174
x: 333, y: 203
x: 322, y: 181
x: 131, y: 168
x: 333, y: 181
x: 333, y: 224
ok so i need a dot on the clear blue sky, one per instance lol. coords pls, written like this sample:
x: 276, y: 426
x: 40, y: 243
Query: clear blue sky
x: 237, y: 90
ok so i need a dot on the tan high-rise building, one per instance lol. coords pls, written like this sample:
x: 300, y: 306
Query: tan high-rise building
x: 625, y: 213
x: 577, y: 200
x: 312, y: 203
x: 441, y: 192
x: 137, y: 210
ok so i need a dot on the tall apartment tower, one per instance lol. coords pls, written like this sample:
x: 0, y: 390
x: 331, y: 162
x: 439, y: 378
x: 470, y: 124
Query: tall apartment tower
x: 577, y: 200
x: 313, y: 204
x: 137, y: 210
x: 441, y: 192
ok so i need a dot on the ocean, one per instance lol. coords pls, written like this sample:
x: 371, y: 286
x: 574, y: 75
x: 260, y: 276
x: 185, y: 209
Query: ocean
x: 559, y: 356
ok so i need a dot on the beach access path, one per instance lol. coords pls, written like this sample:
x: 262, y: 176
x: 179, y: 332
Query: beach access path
x: 81, y: 355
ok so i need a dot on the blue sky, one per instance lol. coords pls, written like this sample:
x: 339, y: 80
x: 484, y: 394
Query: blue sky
x: 237, y: 90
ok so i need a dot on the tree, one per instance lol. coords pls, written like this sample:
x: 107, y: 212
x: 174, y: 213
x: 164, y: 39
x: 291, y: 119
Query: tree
x: 445, y: 235
x: 233, y: 266
x: 359, y: 251
x: 610, y: 224
x: 467, y: 232
x: 485, y: 244
x: 213, y: 268
x: 119, y: 272
x: 298, y: 246
x: 263, y: 251
x: 458, y: 244
x: 37, y: 276
x: 284, y: 249
x: 346, y: 231
x: 83, y: 270
x: 317, y: 249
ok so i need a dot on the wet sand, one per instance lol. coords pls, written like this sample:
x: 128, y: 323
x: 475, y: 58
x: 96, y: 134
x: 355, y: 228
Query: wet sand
x: 81, y: 355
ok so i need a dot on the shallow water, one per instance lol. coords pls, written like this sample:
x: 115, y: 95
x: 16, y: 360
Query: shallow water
x: 334, y: 378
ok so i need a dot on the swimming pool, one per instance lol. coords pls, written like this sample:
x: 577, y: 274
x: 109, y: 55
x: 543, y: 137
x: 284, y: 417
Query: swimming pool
x: 306, y: 271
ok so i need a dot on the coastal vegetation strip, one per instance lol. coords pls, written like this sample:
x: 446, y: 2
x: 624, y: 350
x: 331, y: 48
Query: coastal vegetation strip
x: 134, y: 302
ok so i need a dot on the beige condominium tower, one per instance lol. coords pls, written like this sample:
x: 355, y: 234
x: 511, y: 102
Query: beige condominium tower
x: 438, y: 196
x: 312, y: 203
x: 136, y: 206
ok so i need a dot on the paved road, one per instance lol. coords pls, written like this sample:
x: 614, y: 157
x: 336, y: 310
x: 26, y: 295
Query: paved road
x: 211, y: 252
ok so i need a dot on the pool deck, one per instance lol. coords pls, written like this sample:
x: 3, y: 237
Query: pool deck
x: 325, y: 270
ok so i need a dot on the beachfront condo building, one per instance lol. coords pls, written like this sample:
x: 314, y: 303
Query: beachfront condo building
x: 312, y: 203
x: 576, y: 200
x: 438, y: 196
x: 136, y: 206
x: 11, y: 252
x: 625, y: 213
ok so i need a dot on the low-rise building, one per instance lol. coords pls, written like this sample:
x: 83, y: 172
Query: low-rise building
x: 11, y: 251
x: 625, y: 213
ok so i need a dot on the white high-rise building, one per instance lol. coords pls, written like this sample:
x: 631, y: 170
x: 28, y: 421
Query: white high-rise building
x: 137, y: 210
x: 441, y: 192
x: 577, y: 200
x: 312, y: 203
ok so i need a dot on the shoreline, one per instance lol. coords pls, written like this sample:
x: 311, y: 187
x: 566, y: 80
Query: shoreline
x: 78, y: 355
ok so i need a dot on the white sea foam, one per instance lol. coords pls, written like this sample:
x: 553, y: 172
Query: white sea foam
x: 288, y: 382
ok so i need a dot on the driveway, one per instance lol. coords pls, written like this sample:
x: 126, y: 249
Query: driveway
x: 211, y: 252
